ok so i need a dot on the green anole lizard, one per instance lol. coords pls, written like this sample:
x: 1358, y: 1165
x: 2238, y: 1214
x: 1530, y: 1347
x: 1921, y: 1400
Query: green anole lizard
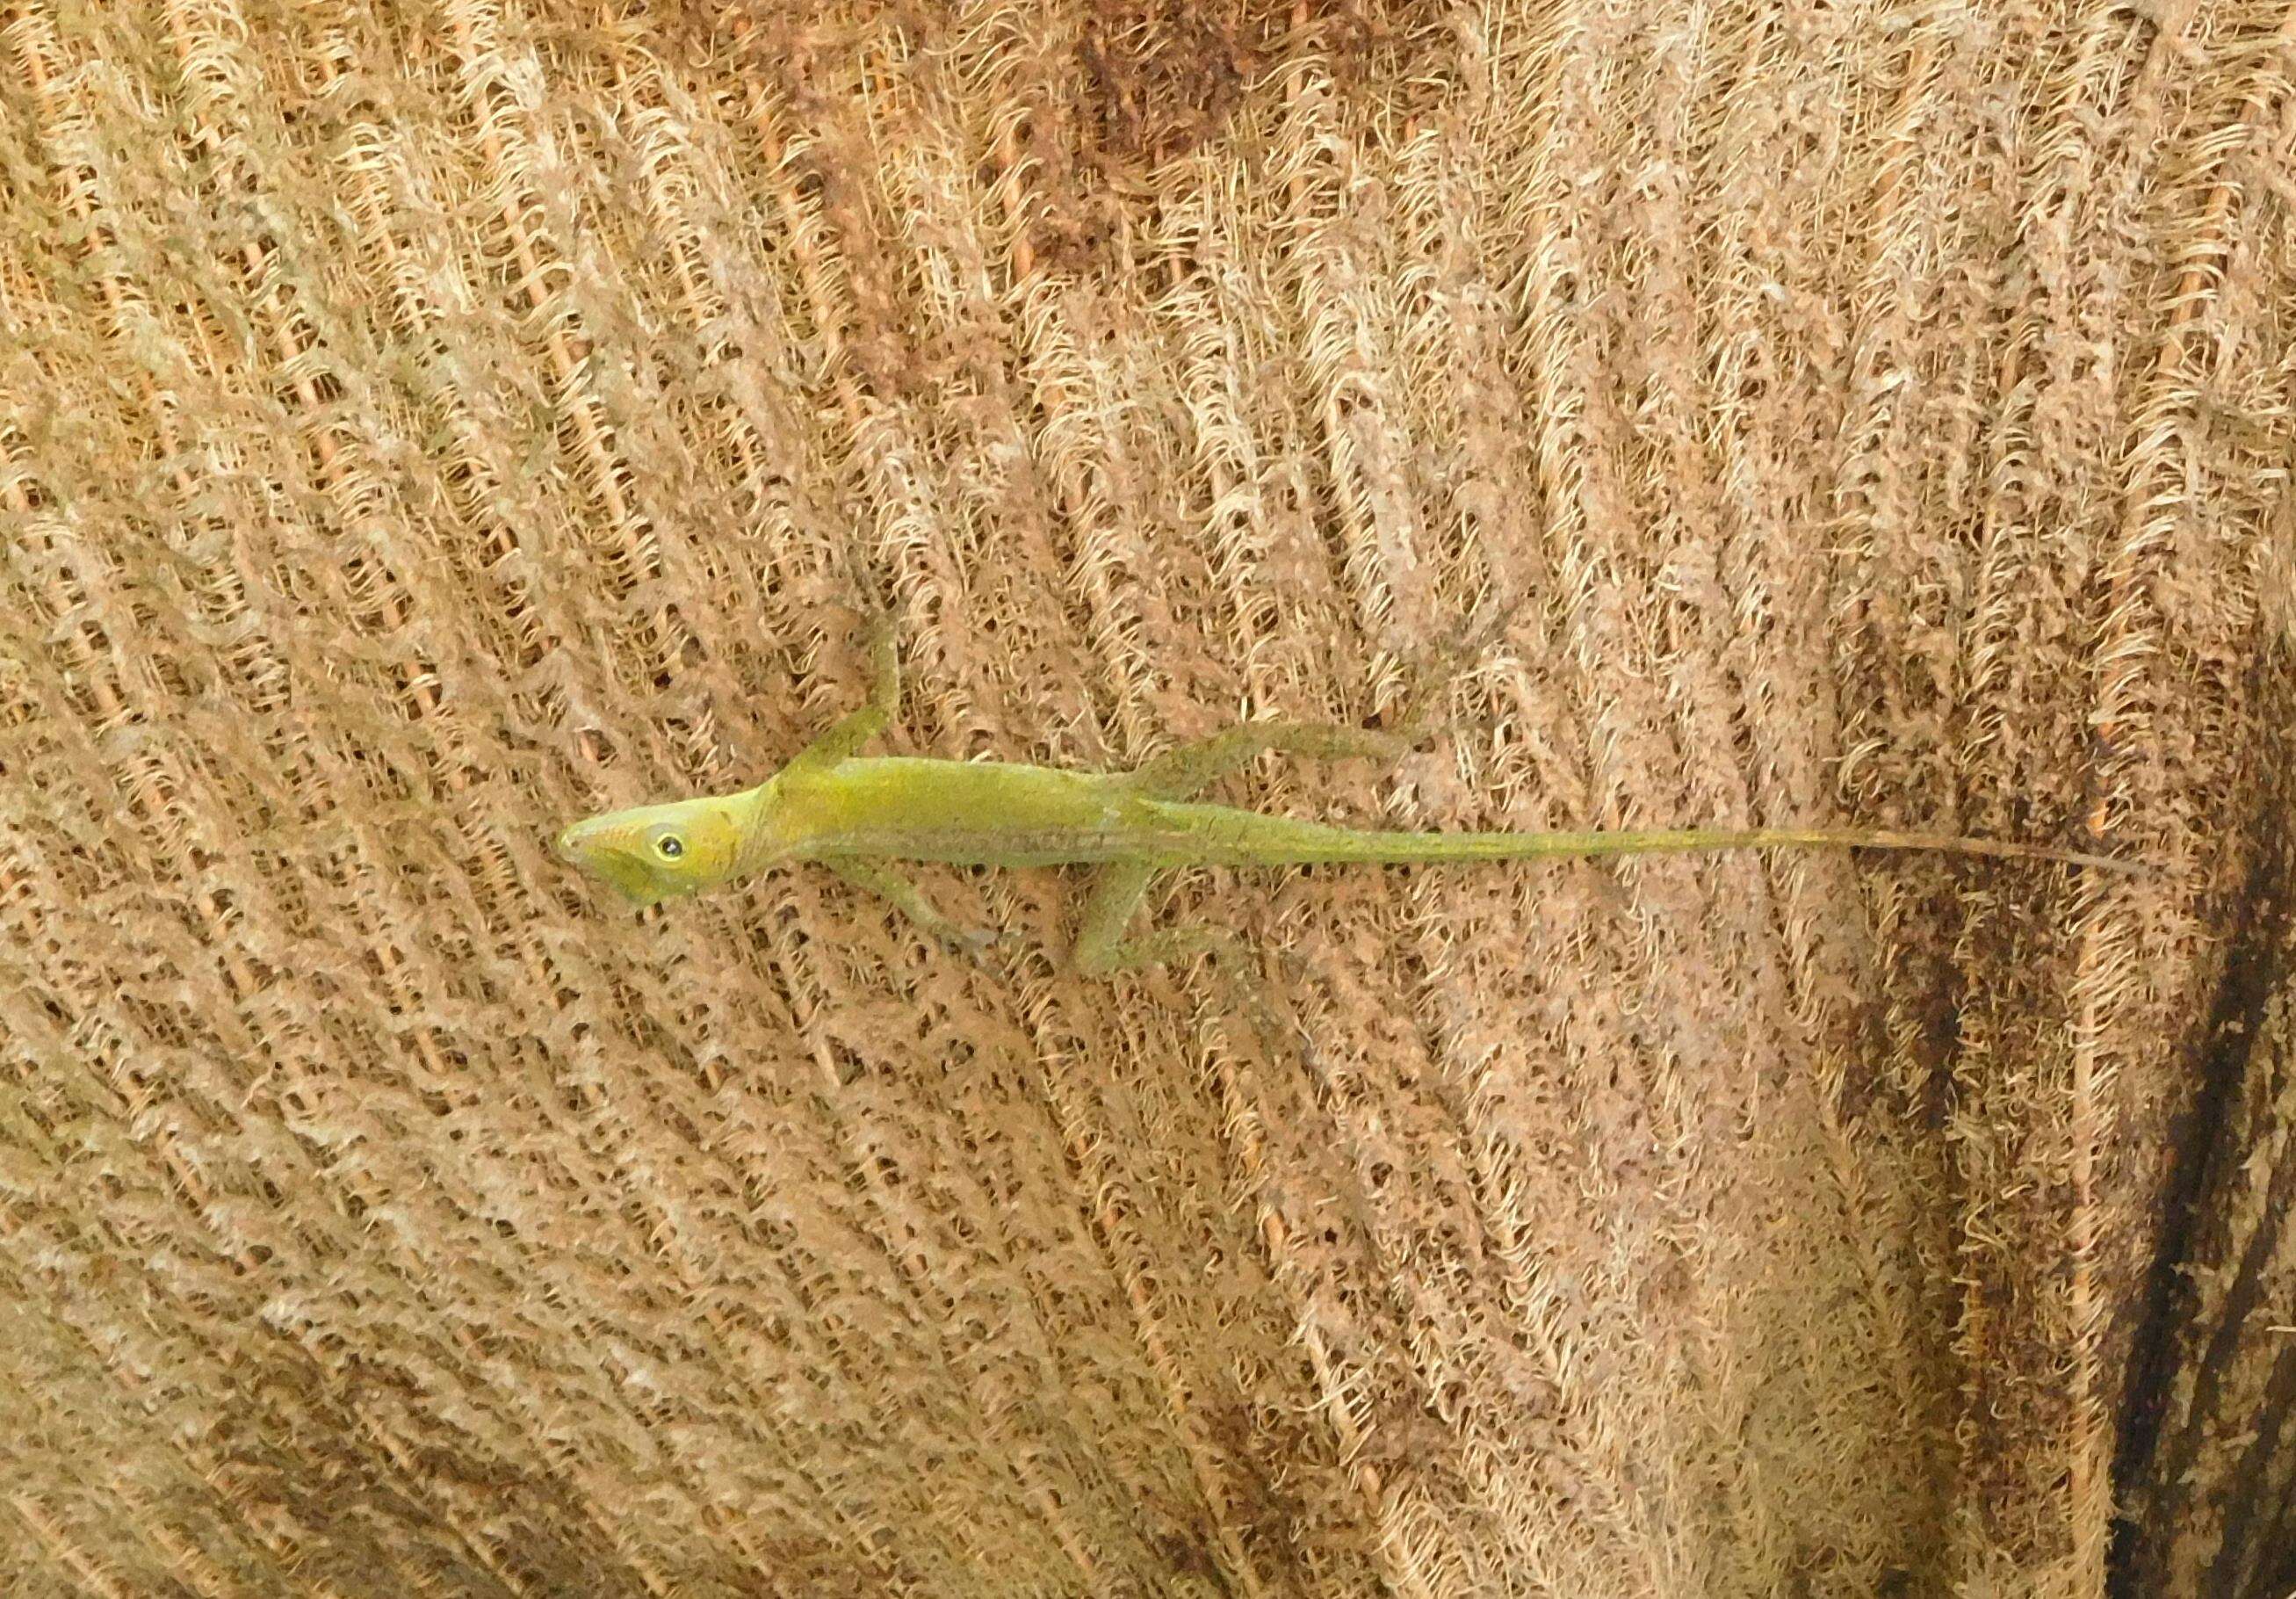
x: 852, y: 813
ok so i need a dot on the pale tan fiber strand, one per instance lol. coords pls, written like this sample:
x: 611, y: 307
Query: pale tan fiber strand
x: 425, y: 425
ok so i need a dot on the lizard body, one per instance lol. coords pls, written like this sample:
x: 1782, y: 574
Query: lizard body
x: 851, y: 813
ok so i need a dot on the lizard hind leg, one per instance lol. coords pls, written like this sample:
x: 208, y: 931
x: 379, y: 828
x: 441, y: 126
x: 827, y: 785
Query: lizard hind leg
x: 1179, y: 774
x: 1102, y: 948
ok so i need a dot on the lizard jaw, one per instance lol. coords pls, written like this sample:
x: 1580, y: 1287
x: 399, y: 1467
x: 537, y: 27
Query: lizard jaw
x: 586, y: 847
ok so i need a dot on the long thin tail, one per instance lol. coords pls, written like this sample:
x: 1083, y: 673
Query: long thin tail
x: 1310, y: 844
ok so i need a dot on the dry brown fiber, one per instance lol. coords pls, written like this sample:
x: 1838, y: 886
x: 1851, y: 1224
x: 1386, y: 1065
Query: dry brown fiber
x: 420, y: 425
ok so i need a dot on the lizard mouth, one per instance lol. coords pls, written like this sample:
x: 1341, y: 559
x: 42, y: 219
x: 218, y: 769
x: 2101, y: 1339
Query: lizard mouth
x: 580, y: 846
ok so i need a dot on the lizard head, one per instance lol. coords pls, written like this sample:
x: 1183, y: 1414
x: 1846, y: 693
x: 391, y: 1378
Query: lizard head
x: 648, y: 854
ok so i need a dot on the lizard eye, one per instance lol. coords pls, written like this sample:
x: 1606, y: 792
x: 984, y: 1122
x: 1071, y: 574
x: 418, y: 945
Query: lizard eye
x: 669, y: 846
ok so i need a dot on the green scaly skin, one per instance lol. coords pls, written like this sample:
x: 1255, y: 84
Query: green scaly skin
x: 852, y: 813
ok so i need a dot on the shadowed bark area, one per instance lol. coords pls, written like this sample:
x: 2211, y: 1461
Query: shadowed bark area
x: 2208, y: 1455
x: 423, y: 425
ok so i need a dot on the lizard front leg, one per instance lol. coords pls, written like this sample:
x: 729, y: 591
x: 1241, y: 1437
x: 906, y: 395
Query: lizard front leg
x: 846, y: 736
x: 905, y: 897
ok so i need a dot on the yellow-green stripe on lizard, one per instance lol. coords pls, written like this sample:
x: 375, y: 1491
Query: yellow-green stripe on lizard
x: 853, y: 813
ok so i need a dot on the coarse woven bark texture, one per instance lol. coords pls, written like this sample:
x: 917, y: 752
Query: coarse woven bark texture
x: 422, y: 425
x: 2212, y: 1417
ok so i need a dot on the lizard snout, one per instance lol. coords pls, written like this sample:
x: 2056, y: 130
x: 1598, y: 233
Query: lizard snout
x: 568, y: 846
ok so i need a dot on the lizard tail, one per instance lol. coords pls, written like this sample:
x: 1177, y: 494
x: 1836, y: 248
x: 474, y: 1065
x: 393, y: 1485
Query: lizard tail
x: 1311, y: 844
